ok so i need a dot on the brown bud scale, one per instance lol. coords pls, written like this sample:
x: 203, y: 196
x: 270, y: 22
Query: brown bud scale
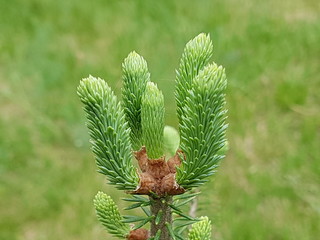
x: 138, y: 234
x: 158, y: 175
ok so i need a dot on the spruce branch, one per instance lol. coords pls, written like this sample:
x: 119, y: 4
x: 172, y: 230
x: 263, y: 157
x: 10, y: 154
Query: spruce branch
x: 200, y: 230
x: 203, y: 127
x: 109, y: 132
x: 135, y: 78
x: 135, y: 128
x: 152, y: 118
x: 109, y: 216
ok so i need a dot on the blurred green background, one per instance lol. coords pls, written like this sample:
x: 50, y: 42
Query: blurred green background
x: 268, y: 187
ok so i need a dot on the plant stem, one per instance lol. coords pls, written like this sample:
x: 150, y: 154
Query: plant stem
x: 161, y: 210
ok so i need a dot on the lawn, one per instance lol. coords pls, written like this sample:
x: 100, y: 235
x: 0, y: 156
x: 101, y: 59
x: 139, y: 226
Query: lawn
x: 268, y: 186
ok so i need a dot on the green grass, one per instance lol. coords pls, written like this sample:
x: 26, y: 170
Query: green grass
x: 268, y: 187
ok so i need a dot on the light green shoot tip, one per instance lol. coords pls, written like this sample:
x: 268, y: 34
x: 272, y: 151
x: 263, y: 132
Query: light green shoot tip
x: 200, y: 44
x: 153, y: 94
x: 135, y: 63
x: 200, y: 230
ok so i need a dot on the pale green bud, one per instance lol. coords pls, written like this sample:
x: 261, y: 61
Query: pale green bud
x: 171, y: 140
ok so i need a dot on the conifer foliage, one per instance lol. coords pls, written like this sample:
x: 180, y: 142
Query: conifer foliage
x: 135, y: 78
x: 171, y: 163
x: 109, y: 132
